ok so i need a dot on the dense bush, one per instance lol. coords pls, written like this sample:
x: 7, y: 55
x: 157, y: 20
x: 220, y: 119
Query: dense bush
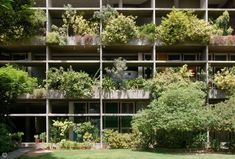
x: 13, y: 82
x: 120, y: 29
x: 148, y: 31
x: 67, y: 144
x: 84, y: 132
x: 71, y: 83
x: 225, y: 79
x: 163, y: 79
x: 9, y: 141
x: 117, y: 140
x: 183, y: 26
x: 221, y: 25
x: 179, y: 109
x: 19, y: 21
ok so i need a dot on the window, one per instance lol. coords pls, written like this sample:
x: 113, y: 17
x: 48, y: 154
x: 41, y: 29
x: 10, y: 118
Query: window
x: 111, y: 108
x: 190, y: 57
x: 127, y: 108
x: 80, y: 108
x: 94, y: 108
x: 218, y: 57
x: 174, y: 57
x: 232, y: 57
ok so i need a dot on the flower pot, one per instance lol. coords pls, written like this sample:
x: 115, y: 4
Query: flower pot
x: 71, y: 40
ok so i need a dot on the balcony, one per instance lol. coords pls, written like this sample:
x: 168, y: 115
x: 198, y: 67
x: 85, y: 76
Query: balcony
x: 117, y: 94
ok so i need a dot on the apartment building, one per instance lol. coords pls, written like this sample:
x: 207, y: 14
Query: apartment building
x: 111, y: 110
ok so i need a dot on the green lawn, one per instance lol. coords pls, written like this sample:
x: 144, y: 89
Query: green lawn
x: 125, y: 154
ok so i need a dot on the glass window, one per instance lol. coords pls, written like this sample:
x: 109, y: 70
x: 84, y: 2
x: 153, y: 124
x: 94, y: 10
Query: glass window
x: 111, y: 108
x: 80, y: 108
x: 174, y: 57
x: 127, y: 108
x: 232, y: 57
x: 220, y: 57
x: 111, y: 122
x: 190, y: 58
x: 94, y: 108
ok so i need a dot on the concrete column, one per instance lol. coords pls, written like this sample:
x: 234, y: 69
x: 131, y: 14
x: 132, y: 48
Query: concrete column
x: 120, y: 4
x: 140, y: 68
x: 71, y: 111
x: 176, y: 2
x: 29, y: 59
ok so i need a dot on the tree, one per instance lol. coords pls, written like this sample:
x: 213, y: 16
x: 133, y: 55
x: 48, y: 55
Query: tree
x: 177, y: 112
x: 13, y: 82
x: 18, y: 20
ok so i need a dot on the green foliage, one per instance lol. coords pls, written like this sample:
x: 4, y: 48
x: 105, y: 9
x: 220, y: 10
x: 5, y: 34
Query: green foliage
x: 225, y: 79
x: 221, y: 25
x: 8, y: 141
x: 182, y: 26
x: 78, y: 24
x: 148, y: 31
x: 61, y: 128
x: 179, y: 109
x: 108, y: 84
x: 120, y: 29
x: 85, y: 132
x: 67, y: 144
x: 71, y: 83
x: 163, y: 79
x: 13, y: 82
x: 42, y: 136
x: 57, y: 36
x: 117, y: 140
x: 137, y: 83
x: 224, y: 114
x: 105, y: 14
x: 116, y: 73
x: 19, y: 21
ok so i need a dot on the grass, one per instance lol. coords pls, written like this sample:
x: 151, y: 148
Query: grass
x: 125, y: 154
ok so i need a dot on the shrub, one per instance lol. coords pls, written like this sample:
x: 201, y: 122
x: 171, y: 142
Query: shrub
x: 119, y: 29
x: 108, y: 84
x: 13, y: 82
x: 182, y: 26
x: 105, y: 14
x: 67, y: 144
x: 117, y: 140
x: 86, y: 132
x: 71, y: 83
x: 137, y: 83
x: 78, y: 24
x: 57, y: 36
x: 116, y: 73
x: 9, y: 141
x: 148, y: 31
x: 221, y: 25
x: 225, y: 79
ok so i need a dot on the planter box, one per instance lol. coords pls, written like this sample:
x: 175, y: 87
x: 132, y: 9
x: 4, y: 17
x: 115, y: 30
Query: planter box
x: 117, y: 94
x: 140, y: 42
x: 83, y: 40
x: 223, y: 40
x: 217, y: 94
x: 126, y: 94
x: 35, y: 40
